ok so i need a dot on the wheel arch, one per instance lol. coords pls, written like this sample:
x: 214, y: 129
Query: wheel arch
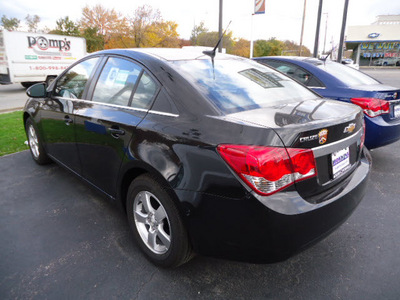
x: 130, y: 172
x: 25, y: 117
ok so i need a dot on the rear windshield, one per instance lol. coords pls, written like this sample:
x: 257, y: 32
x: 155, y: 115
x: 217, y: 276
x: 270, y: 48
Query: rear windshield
x: 348, y: 75
x: 238, y: 84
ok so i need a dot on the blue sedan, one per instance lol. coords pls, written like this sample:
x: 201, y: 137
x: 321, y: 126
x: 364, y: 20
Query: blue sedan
x: 381, y: 103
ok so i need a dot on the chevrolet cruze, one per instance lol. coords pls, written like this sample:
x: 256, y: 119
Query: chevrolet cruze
x: 219, y: 156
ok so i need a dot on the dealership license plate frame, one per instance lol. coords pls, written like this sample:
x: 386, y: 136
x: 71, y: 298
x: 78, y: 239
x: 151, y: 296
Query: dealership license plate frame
x: 340, y: 162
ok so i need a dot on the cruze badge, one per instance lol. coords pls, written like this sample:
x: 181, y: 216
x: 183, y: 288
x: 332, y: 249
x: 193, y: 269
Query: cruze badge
x: 323, y: 136
x: 350, y: 128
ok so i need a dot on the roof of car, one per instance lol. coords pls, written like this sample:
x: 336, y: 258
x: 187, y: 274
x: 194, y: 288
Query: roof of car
x: 173, y: 54
x: 311, y: 60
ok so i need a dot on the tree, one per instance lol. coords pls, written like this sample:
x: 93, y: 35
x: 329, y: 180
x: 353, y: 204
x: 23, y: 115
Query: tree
x: 241, y: 48
x: 66, y: 27
x: 32, y: 22
x: 271, y: 47
x: 9, y: 24
x: 291, y: 48
x: 163, y: 34
x: 211, y: 38
x: 144, y: 17
x: 94, y: 40
x: 110, y: 24
x: 196, y: 31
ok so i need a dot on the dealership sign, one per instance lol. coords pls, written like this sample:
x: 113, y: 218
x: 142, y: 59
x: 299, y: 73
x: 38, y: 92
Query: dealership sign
x: 380, y: 46
x: 259, y: 6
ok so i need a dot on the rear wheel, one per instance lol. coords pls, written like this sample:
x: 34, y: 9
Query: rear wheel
x: 27, y: 84
x: 35, y: 144
x: 156, y: 223
x: 50, y: 79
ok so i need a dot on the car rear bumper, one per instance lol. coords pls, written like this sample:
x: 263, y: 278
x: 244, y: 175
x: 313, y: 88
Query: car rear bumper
x: 250, y: 230
x: 380, y: 133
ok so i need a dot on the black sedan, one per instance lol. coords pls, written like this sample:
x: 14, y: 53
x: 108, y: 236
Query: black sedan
x: 218, y: 156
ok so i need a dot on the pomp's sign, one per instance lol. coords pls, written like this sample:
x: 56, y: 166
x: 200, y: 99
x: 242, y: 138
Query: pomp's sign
x: 44, y: 44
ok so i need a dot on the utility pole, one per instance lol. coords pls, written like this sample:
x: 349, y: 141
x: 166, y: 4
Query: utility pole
x: 220, y: 26
x: 340, y: 52
x: 302, y: 27
x: 326, y: 29
x: 251, y: 37
x: 317, y: 31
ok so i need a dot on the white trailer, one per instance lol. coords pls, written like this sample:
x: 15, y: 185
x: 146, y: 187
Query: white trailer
x: 27, y: 57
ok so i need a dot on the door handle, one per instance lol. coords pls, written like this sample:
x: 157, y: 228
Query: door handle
x: 68, y: 120
x: 115, y: 131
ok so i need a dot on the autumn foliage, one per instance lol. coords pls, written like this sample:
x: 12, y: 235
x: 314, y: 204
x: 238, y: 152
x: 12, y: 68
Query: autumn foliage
x: 107, y: 29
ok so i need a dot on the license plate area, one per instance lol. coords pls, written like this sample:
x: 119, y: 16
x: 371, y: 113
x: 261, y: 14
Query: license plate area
x: 340, y: 162
x: 397, y: 111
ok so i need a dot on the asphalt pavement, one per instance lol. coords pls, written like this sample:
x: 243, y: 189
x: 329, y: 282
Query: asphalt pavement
x: 12, y: 97
x: 62, y: 240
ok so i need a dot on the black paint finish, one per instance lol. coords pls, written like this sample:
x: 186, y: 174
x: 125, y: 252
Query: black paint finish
x: 175, y: 141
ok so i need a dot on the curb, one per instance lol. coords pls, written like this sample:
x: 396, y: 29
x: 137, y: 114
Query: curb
x: 8, y: 110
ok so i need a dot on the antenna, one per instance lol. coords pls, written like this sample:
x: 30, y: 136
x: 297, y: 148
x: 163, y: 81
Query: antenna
x: 211, y: 53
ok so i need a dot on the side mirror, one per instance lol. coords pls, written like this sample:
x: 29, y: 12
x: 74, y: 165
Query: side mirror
x: 37, y: 90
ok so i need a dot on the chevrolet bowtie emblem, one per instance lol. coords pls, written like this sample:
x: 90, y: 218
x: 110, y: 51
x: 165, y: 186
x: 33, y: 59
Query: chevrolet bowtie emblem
x: 350, y: 128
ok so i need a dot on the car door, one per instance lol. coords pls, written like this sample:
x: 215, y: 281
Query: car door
x: 105, y: 125
x: 57, y: 120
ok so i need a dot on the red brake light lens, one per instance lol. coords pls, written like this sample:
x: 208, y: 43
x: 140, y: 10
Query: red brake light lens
x: 372, y: 107
x: 268, y: 170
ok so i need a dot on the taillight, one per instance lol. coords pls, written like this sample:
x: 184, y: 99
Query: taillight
x: 372, y: 107
x: 268, y: 170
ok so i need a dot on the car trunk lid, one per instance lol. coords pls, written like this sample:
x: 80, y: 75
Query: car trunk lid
x: 333, y: 130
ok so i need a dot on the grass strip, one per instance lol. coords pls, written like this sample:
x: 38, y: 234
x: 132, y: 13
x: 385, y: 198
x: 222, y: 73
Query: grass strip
x: 12, y: 133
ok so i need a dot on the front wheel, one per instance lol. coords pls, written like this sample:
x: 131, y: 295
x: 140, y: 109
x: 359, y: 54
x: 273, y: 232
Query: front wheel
x: 156, y: 223
x: 39, y: 155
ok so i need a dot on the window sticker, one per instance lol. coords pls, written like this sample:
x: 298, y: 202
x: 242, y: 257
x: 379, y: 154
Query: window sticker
x: 266, y: 80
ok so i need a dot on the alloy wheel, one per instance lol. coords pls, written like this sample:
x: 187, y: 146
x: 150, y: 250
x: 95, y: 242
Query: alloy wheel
x: 33, y: 141
x: 152, y: 222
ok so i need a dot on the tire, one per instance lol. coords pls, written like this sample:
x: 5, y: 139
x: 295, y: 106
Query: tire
x: 156, y: 223
x: 50, y: 79
x: 27, y: 84
x: 398, y: 63
x: 39, y: 155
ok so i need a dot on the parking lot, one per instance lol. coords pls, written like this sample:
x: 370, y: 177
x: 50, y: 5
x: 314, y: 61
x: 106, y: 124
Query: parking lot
x: 62, y: 240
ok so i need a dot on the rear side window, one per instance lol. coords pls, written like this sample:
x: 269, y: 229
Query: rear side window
x: 117, y: 82
x: 73, y: 83
x: 145, y: 92
x: 295, y: 72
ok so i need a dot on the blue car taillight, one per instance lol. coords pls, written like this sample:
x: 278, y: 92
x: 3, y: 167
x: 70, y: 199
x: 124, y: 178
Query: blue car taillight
x: 372, y: 107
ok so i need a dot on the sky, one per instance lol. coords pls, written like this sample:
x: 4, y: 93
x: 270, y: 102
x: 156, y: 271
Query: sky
x: 282, y: 19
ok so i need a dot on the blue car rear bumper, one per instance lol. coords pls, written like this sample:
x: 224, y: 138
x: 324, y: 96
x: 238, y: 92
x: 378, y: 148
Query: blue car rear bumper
x: 380, y: 132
